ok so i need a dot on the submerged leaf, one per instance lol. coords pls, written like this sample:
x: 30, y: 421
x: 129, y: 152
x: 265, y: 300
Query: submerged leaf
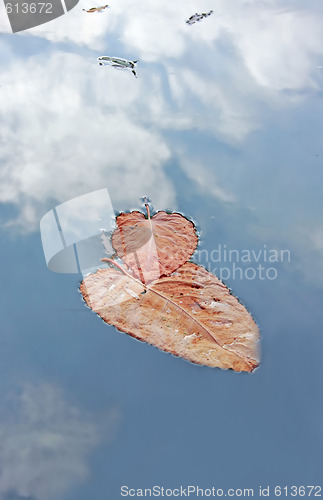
x: 117, y: 63
x: 197, y: 17
x: 189, y: 314
x: 155, y: 246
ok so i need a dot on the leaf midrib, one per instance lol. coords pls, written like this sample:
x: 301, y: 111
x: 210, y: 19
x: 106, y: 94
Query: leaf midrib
x: 147, y: 288
x: 199, y: 323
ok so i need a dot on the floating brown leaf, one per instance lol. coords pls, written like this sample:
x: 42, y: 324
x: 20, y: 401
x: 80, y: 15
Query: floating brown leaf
x: 96, y: 9
x: 190, y: 314
x: 154, y: 247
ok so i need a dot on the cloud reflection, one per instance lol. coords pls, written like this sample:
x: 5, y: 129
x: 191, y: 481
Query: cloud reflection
x: 64, y: 138
x: 272, y: 39
x: 70, y: 128
x: 44, y: 443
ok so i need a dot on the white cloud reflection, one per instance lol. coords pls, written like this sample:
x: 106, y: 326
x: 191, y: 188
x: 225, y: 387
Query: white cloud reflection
x: 45, y: 442
x: 69, y: 127
x: 278, y: 42
x: 67, y: 132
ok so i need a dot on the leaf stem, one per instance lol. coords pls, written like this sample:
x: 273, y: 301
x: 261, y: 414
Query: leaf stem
x: 106, y: 259
x: 148, y: 211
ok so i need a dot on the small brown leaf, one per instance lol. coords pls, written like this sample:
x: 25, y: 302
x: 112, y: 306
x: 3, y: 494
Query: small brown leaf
x: 155, y: 246
x: 96, y: 9
x: 190, y: 314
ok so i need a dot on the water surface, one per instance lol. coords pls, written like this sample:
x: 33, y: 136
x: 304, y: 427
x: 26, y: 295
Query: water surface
x: 223, y: 123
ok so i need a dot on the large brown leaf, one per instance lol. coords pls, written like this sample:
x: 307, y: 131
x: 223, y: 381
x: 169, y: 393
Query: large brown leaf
x: 190, y: 314
x: 156, y: 246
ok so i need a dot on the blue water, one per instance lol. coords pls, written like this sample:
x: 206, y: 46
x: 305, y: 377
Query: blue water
x: 223, y: 124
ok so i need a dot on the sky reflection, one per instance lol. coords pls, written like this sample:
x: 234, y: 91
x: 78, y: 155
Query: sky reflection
x: 224, y: 124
